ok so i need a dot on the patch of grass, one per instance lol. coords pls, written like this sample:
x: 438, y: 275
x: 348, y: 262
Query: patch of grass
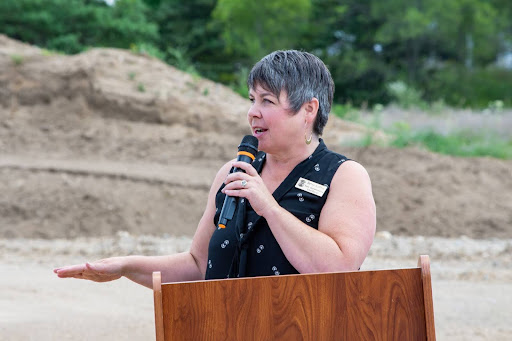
x: 194, y: 84
x: 17, y: 59
x: 462, y: 143
x: 131, y: 75
x: 49, y: 53
x: 141, y: 87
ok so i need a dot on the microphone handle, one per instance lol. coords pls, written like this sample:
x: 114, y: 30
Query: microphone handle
x: 228, y: 211
x: 230, y: 203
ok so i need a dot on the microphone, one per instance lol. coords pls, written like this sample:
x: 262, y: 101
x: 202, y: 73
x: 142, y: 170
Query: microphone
x: 246, y: 153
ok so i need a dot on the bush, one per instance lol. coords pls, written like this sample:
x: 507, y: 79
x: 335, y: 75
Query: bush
x: 147, y: 49
x: 179, y: 58
x: 406, y: 96
x: 345, y: 111
x: 69, y: 43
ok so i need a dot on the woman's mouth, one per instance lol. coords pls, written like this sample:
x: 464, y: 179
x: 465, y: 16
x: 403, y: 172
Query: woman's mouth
x: 259, y: 131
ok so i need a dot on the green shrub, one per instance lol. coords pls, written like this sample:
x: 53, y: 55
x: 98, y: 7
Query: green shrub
x: 68, y: 43
x: 178, y: 57
x: 147, y: 49
x: 345, y: 111
x: 406, y: 96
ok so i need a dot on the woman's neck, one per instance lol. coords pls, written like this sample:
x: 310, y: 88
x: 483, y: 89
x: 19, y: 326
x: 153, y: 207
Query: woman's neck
x: 286, y: 161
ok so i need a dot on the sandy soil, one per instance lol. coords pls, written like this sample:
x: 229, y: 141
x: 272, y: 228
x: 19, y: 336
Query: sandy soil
x: 108, y: 153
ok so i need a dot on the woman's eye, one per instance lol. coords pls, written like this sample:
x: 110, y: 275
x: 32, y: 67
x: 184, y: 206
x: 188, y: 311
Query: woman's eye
x: 264, y: 100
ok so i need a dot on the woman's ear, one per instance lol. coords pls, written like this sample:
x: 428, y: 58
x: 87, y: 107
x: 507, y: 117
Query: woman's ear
x: 311, y: 109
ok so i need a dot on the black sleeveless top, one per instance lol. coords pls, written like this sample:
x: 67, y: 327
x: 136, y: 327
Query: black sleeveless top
x: 247, y: 247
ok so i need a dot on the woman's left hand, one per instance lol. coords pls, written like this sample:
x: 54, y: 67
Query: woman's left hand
x: 249, y: 185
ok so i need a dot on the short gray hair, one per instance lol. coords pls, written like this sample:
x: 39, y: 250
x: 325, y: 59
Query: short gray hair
x: 302, y: 75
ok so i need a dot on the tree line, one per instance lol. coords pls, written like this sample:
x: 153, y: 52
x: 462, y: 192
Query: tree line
x: 438, y: 50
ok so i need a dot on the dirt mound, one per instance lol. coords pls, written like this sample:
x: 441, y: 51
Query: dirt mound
x: 108, y: 140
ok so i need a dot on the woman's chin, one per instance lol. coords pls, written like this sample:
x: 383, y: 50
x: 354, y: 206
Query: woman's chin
x: 262, y: 146
x: 261, y: 139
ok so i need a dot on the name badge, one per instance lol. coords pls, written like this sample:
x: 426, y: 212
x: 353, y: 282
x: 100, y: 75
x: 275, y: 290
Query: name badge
x: 311, y: 187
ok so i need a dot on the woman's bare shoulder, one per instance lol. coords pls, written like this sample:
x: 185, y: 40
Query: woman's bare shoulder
x: 350, y: 171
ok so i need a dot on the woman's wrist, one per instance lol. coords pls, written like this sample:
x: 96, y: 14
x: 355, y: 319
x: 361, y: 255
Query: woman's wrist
x: 271, y: 211
x: 127, y: 265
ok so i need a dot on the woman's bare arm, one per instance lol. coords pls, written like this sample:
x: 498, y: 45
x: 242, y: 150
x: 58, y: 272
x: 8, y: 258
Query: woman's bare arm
x: 186, y: 266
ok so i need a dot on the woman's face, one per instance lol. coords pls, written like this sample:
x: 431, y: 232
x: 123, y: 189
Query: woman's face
x: 275, y: 126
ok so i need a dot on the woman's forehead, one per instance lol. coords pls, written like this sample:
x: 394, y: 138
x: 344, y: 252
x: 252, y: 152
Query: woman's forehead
x: 261, y: 90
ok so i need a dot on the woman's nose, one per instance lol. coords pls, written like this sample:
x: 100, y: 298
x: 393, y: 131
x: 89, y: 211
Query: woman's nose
x: 253, y: 111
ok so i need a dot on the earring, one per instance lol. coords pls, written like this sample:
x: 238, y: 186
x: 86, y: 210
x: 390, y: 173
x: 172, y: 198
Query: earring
x: 308, y: 141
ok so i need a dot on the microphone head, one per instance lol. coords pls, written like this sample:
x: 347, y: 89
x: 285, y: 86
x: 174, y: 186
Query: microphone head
x: 249, y: 144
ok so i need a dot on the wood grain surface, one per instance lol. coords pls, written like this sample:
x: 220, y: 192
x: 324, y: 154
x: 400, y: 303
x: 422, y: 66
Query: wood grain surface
x: 364, y: 305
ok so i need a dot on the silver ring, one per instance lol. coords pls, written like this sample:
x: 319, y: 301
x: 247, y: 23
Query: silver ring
x: 244, y: 183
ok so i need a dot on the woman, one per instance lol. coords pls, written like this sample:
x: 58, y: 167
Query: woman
x: 304, y: 209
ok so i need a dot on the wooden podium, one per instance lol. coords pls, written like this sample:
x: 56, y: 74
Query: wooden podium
x: 363, y: 305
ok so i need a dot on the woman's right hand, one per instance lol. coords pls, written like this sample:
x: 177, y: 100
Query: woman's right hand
x: 103, y: 270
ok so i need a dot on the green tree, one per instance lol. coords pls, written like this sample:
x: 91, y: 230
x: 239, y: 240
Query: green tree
x: 342, y: 33
x: 443, y: 49
x: 466, y: 30
x: 188, y: 37
x: 254, y: 28
x: 72, y: 25
x: 403, y: 33
x: 412, y: 32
